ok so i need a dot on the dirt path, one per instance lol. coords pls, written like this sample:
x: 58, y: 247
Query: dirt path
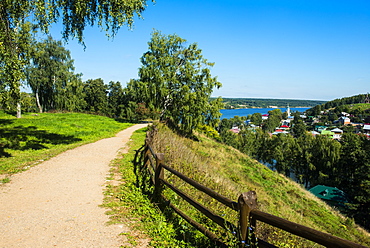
x: 56, y: 204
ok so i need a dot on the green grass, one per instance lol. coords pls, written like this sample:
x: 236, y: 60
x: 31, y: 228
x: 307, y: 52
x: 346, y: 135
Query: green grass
x: 5, y: 180
x: 228, y: 172
x: 130, y: 206
x: 359, y: 106
x: 231, y: 173
x: 37, y: 137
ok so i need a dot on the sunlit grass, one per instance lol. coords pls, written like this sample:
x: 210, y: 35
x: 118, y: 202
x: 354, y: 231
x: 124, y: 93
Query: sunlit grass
x: 359, y: 106
x: 37, y: 137
x: 128, y: 204
x: 231, y: 173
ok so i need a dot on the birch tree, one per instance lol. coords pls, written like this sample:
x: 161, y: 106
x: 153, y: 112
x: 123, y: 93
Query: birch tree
x: 176, y: 81
x: 49, y: 72
x: 75, y: 15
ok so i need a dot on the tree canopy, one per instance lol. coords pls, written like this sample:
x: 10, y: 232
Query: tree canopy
x: 19, y: 17
x: 75, y: 15
x: 49, y: 73
x: 175, y: 80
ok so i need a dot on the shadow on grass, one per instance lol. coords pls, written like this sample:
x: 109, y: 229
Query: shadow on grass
x: 124, y: 120
x: 29, y: 138
x: 184, y: 233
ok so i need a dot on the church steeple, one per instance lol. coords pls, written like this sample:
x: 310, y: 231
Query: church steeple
x: 367, y: 100
x: 288, y: 110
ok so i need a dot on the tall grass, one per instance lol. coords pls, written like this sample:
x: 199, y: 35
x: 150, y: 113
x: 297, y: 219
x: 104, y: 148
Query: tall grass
x: 37, y: 137
x: 231, y: 173
x: 130, y: 206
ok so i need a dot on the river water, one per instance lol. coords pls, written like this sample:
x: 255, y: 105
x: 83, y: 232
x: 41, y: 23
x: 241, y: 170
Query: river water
x: 230, y: 113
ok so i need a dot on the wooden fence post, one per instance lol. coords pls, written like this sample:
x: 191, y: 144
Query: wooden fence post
x: 146, y: 152
x: 159, y: 173
x: 247, y: 201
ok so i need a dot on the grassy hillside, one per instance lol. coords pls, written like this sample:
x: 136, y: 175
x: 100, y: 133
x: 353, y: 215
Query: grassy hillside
x: 355, y: 104
x: 37, y: 137
x: 230, y: 173
x: 358, y: 107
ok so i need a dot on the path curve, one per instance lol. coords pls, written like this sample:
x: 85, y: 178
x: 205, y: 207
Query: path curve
x: 56, y: 203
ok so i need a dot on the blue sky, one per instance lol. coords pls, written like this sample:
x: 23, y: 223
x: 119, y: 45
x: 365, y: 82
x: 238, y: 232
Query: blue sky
x: 318, y: 50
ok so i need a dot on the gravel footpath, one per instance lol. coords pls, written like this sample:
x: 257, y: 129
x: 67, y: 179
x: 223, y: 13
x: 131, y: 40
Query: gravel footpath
x: 56, y: 203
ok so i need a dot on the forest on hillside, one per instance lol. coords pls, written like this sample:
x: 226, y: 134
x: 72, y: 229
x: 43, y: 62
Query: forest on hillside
x: 265, y: 103
x: 314, y: 158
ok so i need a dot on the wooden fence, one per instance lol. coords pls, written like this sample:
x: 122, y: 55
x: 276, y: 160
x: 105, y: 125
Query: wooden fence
x: 246, y: 206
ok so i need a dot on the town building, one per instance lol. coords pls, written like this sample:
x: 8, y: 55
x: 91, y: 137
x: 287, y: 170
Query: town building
x: 235, y: 129
x: 320, y: 128
x: 343, y: 120
x: 328, y: 133
x: 337, y: 133
x: 366, y: 128
x: 288, y: 111
x: 314, y: 133
x: 331, y: 195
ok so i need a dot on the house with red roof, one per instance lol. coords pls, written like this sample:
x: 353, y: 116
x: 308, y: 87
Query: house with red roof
x: 235, y: 129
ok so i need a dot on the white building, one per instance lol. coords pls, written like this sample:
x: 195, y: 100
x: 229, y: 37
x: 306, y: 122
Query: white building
x: 288, y: 111
x: 337, y: 133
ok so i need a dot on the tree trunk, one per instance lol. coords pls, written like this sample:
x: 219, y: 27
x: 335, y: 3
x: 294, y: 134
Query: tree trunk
x: 19, y: 114
x: 38, y: 102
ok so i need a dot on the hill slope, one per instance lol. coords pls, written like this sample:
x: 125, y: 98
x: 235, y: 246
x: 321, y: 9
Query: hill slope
x: 231, y: 173
x: 358, y: 104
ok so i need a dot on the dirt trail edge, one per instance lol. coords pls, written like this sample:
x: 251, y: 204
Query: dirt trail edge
x: 56, y: 203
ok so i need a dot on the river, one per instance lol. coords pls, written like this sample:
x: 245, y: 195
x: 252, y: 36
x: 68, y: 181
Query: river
x: 230, y: 113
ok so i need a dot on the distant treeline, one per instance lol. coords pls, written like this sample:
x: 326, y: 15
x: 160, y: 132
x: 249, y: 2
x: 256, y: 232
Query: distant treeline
x: 265, y: 103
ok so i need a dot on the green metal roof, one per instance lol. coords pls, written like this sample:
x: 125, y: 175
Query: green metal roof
x: 329, y: 193
x: 320, y: 128
x: 327, y: 132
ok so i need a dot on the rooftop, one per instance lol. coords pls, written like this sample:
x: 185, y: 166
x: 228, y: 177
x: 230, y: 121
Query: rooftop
x: 328, y: 193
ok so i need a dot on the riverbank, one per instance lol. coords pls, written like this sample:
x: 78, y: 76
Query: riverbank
x: 230, y: 113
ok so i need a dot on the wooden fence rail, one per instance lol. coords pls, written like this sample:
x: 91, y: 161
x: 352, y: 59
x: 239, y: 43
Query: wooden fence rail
x: 246, y: 206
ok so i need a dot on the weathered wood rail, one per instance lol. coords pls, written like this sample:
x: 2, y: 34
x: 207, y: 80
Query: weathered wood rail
x: 246, y: 206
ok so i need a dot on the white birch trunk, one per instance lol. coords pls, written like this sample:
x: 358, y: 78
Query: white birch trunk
x: 19, y: 113
x: 38, y: 102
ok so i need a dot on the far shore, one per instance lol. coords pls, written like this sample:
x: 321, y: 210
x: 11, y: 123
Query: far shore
x: 269, y: 107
